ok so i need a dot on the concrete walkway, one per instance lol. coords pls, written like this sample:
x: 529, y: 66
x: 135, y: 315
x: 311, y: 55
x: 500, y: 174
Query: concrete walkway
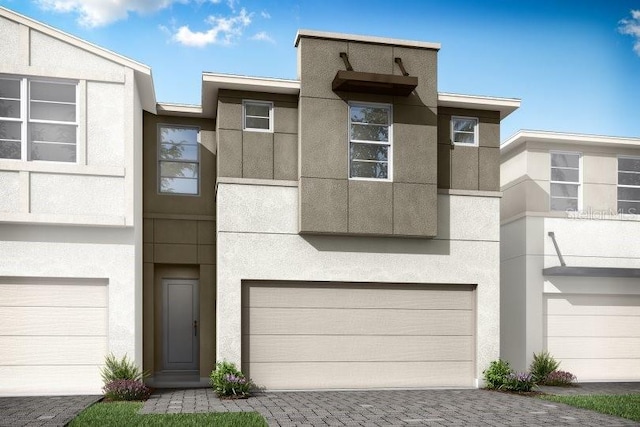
x: 42, y: 410
x: 386, y: 408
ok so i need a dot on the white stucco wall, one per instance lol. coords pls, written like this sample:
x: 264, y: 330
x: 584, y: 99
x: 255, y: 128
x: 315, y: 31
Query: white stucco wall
x: 257, y: 240
x: 526, y: 249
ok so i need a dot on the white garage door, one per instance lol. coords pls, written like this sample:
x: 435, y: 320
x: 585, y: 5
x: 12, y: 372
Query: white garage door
x: 331, y: 336
x: 596, y: 337
x: 53, y: 336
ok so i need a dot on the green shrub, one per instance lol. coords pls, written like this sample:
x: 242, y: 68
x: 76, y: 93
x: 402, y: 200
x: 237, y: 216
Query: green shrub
x: 228, y: 381
x: 518, y: 381
x: 126, y: 390
x: 120, y: 369
x: 542, y: 365
x: 496, y: 374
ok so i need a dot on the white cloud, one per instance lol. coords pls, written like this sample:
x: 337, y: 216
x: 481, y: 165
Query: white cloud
x: 263, y: 36
x: 232, y: 4
x: 632, y: 27
x: 96, y: 13
x: 265, y: 14
x: 224, y: 30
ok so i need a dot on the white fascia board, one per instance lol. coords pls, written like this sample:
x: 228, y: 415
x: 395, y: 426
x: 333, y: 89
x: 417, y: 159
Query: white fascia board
x: 552, y: 138
x: 365, y: 39
x: 142, y: 72
x: 182, y: 110
x: 505, y: 106
x: 212, y: 83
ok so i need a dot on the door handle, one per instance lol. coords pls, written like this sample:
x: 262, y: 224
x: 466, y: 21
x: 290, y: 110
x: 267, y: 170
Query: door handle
x: 195, y: 328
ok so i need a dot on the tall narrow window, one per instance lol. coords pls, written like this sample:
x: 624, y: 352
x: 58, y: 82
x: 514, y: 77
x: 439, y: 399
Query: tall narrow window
x: 178, y: 160
x: 370, y: 141
x: 464, y: 131
x: 258, y: 116
x: 629, y: 185
x: 38, y: 120
x: 565, y: 181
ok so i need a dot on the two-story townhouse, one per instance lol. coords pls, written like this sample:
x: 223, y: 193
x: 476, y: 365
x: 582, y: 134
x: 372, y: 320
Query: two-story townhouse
x: 570, y: 259
x: 70, y: 208
x: 357, y: 220
x: 340, y: 230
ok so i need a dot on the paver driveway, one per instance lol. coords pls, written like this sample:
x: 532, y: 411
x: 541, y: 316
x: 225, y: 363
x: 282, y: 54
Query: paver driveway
x: 42, y: 410
x: 387, y: 408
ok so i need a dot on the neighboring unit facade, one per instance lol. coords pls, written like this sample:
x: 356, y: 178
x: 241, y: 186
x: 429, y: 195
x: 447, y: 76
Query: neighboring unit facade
x: 70, y: 208
x: 570, y: 258
x: 340, y: 230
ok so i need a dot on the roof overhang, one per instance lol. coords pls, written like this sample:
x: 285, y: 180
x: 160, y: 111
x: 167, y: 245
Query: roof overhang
x: 555, y: 138
x: 592, y: 271
x: 212, y: 83
x: 144, y: 79
x: 505, y: 106
x: 312, y: 34
x: 180, y: 110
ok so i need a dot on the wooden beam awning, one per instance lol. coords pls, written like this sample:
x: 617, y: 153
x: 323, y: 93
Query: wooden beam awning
x: 382, y: 84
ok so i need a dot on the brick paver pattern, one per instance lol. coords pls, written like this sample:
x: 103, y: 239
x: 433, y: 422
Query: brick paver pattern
x: 47, y: 411
x: 386, y: 408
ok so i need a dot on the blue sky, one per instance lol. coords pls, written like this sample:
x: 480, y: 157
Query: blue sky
x: 575, y: 64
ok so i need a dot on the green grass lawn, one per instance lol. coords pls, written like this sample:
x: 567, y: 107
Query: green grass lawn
x: 625, y: 405
x: 118, y: 414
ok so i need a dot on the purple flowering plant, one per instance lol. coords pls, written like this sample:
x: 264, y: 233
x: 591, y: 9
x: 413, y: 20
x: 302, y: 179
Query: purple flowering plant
x: 518, y: 381
x: 228, y: 381
x: 559, y: 378
x: 126, y: 390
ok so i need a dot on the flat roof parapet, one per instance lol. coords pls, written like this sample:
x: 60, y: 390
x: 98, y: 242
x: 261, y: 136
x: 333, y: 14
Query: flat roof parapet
x: 364, y: 39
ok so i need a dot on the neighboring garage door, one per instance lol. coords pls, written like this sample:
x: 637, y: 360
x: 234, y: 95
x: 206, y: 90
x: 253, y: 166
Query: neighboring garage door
x: 596, y: 337
x: 319, y: 335
x: 53, y: 336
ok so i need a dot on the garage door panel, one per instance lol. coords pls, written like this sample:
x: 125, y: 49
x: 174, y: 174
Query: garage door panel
x: 318, y: 375
x: 52, y: 295
x: 305, y: 348
x: 358, y: 322
x: 310, y: 335
x: 52, y: 321
x: 615, y: 305
x: 594, y: 326
x: 457, y: 297
x: 594, y: 347
x: 602, y: 369
x: 57, y: 351
x: 50, y: 380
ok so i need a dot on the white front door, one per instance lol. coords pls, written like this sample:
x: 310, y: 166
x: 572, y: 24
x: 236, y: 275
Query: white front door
x: 181, y: 324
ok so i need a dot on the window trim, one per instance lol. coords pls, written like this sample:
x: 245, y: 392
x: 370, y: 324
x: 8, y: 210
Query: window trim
x: 159, y: 126
x: 476, y: 131
x: 26, y: 121
x: 389, y: 107
x: 618, y: 185
x: 579, y: 183
x: 244, y: 115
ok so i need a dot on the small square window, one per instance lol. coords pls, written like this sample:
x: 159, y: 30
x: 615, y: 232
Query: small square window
x: 257, y: 116
x: 464, y: 131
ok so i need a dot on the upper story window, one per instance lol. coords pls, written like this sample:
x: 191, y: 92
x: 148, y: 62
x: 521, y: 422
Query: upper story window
x: 370, y: 141
x: 464, y: 131
x: 257, y: 116
x: 178, y: 159
x: 38, y: 119
x: 565, y: 181
x: 629, y: 185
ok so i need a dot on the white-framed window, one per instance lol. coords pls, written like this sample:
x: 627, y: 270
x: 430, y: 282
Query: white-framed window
x: 257, y: 116
x: 565, y: 191
x: 38, y: 119
x: 370, y: 141
x: 464, y: 130
x: 178, y: 159
x: 629, y: 185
